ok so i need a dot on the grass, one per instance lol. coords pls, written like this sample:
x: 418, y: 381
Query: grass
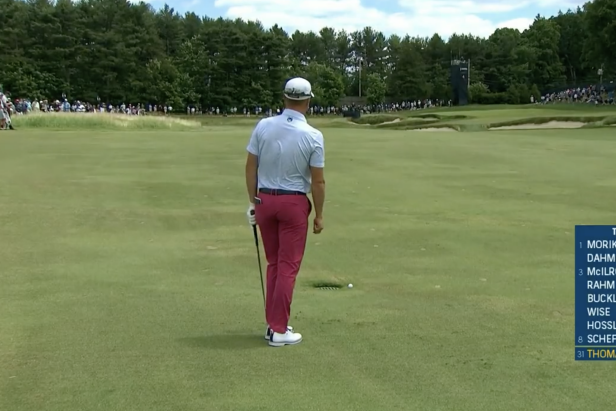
x: 103, y: 121
x: 129, y: 281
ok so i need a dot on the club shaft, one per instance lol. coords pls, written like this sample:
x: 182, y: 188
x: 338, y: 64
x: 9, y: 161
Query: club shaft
x: 256, y: 235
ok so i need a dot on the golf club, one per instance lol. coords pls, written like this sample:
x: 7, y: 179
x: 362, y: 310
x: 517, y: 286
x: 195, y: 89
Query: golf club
x: 256, y: 235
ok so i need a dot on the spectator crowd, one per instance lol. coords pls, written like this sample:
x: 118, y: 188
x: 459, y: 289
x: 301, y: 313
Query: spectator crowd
x: 587, y: 95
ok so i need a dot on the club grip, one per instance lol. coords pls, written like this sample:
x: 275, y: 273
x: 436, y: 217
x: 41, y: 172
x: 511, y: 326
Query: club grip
x: 256, y: 236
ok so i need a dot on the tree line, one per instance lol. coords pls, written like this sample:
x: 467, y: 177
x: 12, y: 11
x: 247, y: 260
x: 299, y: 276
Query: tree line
x: 120, y: 52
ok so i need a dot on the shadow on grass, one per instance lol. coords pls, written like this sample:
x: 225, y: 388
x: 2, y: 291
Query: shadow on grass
x: 226, y: 341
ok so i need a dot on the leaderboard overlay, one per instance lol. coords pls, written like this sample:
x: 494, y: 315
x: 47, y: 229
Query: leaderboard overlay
x: 595, y: 293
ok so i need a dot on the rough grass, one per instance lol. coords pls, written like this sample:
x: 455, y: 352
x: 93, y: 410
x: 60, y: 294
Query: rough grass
x: 128, y: 277
x: 466, y: 119
x: 424, y: 125
x: 96, y: 121
x: 441, y: 116
x: 610, y: 121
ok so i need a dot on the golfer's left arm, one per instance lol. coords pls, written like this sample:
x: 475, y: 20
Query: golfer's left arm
x: 252, y: 165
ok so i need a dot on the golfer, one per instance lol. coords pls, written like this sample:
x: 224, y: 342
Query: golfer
x: 285, y: 163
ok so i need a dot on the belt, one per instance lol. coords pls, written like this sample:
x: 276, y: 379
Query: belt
x: 275, y: 192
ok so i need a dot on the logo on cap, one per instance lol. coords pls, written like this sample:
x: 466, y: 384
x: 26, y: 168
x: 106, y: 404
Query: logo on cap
x: 295, y: 93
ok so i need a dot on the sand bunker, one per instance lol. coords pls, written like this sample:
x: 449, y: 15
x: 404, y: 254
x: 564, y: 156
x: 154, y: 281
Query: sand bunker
x: 397, y: 120
x: 549, y: 124
x: 439, y: 129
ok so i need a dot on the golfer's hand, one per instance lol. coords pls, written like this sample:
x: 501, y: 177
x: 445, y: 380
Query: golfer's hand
x: 250, y: 214
x: 317, y: 226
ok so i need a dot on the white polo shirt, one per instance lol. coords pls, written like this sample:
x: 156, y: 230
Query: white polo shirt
x: 287, y: 146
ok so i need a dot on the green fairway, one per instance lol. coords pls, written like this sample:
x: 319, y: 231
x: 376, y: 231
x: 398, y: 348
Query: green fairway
x: 129, y: 280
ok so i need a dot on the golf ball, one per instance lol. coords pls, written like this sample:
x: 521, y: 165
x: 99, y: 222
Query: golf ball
x: 350, y: 286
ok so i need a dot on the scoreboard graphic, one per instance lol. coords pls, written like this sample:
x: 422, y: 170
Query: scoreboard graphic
x: 595, y: 293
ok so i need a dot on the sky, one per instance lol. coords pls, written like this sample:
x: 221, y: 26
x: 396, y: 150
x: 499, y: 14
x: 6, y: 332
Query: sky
x: 414, y: 17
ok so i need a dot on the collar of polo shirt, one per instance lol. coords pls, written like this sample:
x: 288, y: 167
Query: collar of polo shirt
x: 296, y: 115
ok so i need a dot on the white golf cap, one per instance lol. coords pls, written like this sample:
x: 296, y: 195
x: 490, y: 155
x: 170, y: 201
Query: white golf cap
x: 298, y: 89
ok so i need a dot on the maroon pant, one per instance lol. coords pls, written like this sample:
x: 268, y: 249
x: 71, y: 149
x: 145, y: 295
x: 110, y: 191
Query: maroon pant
x: 283, y: 222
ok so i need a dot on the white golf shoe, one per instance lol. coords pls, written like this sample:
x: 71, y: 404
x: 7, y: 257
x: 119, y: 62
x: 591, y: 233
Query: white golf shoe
x: 269, y: 331
x: 288, y: 338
